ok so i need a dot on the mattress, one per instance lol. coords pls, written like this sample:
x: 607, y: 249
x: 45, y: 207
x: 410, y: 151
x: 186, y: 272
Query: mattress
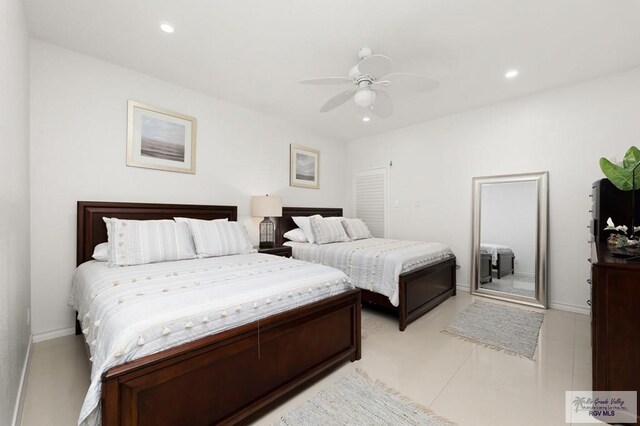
x: 374, y: 264
x: 130, y: 312
x: 493, y: 250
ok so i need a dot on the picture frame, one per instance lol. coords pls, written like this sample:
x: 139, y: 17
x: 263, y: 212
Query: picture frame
x: 304, y: 168
x: 160, y: 139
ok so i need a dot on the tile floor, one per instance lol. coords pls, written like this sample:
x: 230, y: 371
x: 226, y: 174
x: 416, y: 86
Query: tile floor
x: 466, y: 383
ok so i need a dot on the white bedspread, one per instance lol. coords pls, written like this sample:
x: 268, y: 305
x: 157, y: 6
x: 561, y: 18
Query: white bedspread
x: 129, y: 312
x: 494, y: 249
x: 373, y: 264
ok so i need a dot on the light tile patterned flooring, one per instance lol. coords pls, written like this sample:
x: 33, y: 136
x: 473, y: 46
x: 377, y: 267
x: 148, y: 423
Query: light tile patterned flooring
x: 467, y: 383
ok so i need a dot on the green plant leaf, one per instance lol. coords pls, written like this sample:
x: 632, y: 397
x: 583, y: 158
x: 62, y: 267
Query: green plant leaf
x: 619, y: 176
x: 631, y: 158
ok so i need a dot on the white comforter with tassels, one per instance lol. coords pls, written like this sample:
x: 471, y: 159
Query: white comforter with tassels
x: 373, y: 264
x: 130, y: 312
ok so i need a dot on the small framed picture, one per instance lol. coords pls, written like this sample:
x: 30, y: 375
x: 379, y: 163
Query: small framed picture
x: 160, y: 139
x: 305, y: 167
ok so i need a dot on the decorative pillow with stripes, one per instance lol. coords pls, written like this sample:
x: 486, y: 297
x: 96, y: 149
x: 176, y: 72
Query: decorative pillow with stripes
x: 136, y: 242
x: 296, y: 235
x: 218, y: 238
x: 356, y: 229
x: 326, y: 230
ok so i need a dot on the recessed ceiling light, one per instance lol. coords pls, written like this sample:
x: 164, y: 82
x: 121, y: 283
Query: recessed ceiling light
x: 166, y: 27
x: 366, y: 119
x: 511, y: 74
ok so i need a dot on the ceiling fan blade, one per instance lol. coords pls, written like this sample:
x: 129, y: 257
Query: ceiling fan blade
x: 383, y: 105
x: 327, y: 81
x: 376, y: 65
x: 337, y: 100
x: 410, y: 82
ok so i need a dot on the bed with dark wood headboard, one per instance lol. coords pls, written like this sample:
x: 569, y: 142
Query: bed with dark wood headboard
x: 420, y: 290
x: 221, y: 378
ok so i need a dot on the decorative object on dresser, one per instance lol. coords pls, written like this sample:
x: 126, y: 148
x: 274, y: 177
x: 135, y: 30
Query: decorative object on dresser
x: 610, y: 202
x: 419, y: 290
x: 304, y: 168
x: 228, y: 377
x: 160, y: 139
x: 266, y: 207
x: 283, y: 251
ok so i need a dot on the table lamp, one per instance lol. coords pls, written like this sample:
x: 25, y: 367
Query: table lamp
x: 267, y: 207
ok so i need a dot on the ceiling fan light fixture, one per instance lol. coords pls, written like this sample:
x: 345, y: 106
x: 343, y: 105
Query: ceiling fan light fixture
x: 366, y: 119
x: 365, y: 98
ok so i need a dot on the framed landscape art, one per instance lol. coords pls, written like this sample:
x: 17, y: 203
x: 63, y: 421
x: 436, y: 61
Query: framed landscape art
x: 160, y: 139
x: 305, y: 167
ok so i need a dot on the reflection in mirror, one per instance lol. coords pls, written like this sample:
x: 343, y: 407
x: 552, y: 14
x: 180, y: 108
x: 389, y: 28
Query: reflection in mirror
x: 510, y: 238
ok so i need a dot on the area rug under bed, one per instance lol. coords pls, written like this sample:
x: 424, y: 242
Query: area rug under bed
x: 357, y: 400
x: 504, y: 328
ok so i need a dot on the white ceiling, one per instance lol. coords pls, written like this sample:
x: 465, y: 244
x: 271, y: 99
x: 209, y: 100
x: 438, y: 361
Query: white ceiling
x: 253, y: 52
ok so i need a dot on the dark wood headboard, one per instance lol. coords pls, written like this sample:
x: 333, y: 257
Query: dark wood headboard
x: 285, y: 223
x: 92, y: 229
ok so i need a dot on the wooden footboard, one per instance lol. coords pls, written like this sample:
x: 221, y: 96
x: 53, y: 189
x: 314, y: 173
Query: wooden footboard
x: 485, y: 268
x: 505, y: 264
x: 420, y: 291
x: 229, y: 377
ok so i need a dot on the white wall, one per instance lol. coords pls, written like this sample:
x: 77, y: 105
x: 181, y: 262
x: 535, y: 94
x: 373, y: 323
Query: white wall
x: 14, y: 202
x: 564, y: 131
x: 78, y: 149
x: 509, y: 217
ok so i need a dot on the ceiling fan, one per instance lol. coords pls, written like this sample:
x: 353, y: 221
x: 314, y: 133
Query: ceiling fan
x: 373, y: 73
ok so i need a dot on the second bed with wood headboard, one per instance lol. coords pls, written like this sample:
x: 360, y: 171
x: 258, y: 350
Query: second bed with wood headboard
x: 423, y: 285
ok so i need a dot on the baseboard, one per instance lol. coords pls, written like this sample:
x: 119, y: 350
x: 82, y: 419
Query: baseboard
x: 576, y: 309
x: 53, y: 334
x: 463, y: 288
x: 22, y: 387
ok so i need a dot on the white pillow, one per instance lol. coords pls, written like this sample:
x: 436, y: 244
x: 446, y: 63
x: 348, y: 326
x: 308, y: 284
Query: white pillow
x: 101, y: 252
x: 356, y: 229
x: 328, y: 230
x: 136, y: 242
x: 218, y: 237
x: 304, y: 224
x: 185, y: 219
x: 296, y: 235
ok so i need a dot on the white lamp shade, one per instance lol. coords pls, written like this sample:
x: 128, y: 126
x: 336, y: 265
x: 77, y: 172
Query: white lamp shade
x: 265, y: 206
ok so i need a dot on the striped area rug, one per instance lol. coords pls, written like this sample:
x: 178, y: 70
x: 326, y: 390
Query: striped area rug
x: 358, y: 400
x: 504, y: 328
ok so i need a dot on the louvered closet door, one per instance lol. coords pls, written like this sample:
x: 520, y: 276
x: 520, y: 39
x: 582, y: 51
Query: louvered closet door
x: 370, y: 196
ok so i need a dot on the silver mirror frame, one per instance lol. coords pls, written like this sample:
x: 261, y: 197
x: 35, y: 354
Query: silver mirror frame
x: 542, y: 180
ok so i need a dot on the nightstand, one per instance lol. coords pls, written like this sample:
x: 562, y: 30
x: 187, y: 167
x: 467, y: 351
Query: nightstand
x: 283, y: 251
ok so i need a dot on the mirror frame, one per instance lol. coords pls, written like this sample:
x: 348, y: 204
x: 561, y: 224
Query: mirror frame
x: 542, y: 225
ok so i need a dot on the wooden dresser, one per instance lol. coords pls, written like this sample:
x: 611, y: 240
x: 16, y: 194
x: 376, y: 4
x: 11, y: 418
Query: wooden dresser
x: 615, y: 321
x: 615, y: 295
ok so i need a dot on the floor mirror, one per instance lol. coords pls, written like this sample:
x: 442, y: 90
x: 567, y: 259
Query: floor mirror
x: 509, y: 238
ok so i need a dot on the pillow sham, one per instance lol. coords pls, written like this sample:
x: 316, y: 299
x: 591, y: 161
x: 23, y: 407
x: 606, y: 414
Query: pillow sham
x: 356, y: 229
x: 218, y: 237
x: 304, y: 224
x: 136, y: 242
x: 184, y: 219
x: 101, y: 252
x: 296, y: 235
x: 327, y: 230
